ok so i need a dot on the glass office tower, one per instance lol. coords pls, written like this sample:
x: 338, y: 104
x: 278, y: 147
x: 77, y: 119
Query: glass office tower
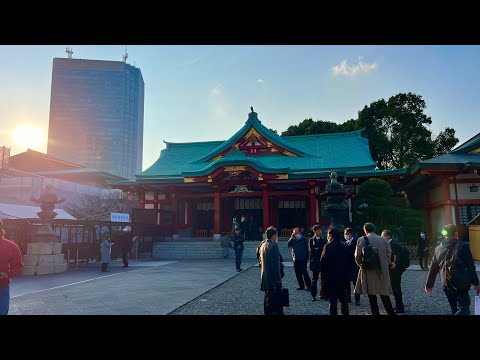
x: 96, y: 115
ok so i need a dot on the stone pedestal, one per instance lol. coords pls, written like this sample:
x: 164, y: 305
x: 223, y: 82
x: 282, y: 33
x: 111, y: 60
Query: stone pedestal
x: 44, y: 254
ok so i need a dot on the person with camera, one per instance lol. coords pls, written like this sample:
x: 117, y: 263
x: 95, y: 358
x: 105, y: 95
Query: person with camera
x: 299, y: 245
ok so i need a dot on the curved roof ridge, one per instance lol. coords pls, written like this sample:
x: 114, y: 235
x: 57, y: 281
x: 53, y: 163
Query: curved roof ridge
x: 254, y: 122
x: 354, y: 132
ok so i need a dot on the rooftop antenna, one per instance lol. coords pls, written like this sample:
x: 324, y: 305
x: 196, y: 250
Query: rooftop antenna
x: 69, y: 52
x: 125, y: 56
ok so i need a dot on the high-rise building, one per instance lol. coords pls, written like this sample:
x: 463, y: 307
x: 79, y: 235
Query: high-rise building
x: 96, y: 115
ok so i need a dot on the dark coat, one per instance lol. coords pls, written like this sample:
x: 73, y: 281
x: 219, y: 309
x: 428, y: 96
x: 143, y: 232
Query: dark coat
x: 315, y: 248
x: 438, y: 262
x: 396, y: 253
x: 334, y: 266
x: 270, y: 266
x: 125, y: 241
x: 351, y: 263
x: 422, y: 244
x: 238, y: 241
x: 299, y: 248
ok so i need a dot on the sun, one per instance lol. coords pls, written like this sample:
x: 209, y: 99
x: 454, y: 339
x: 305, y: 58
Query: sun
x: 28, y: 136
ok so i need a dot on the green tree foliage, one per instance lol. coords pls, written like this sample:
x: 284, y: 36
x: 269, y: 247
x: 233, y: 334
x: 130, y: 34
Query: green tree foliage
x: 310, y: 127
x: 444, y: 142
x: 397, y: 130
x: 399, y: 134
x: 374, y: 202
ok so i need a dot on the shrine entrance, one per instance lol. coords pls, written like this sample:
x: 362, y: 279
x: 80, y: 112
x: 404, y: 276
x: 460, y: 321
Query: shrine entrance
x: 247, y: 213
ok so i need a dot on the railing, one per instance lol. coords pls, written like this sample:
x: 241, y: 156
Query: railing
x: 201, y: 233
x: 286, y: 232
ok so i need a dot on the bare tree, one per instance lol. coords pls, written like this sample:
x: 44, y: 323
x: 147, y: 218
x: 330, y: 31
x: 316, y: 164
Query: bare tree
x: 92, y: 204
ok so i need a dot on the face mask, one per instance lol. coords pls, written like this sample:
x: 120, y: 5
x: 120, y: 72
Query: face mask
x: 298, y: 236
x: 347, y: 237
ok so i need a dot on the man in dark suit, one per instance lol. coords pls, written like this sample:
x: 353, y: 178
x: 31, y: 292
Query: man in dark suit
x: 396, y: 271
x: 315, y: 247
x: 270, y: 263
x: 299, y: 245
x: 422, y: 250
x: 238, y: 241
x: 125, y: 241
x: 450, y: 249
x: 334, y: 268
x: 351, y: 244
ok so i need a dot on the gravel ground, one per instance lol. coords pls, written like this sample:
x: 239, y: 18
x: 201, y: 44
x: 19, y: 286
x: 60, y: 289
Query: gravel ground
x: 241, y: 296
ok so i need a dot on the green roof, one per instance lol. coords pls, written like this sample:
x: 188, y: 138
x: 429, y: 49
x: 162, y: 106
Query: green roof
x: 450, y: 161
x: 469, y: 145
x: 315, y: 154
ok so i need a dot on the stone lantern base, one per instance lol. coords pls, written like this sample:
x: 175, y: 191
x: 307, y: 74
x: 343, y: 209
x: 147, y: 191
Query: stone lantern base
x: 44, y: 254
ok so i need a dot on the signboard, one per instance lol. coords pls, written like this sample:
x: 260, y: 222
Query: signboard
x: 119, y: 217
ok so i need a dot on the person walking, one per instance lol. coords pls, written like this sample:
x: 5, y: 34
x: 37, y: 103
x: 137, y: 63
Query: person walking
x: 315, y: 247
x: 270, y: 275
x: 106, y: 251
x: 125, y: 240
x: 335, y: 270
x: 299, y: 245
x: 453, y: 259
x: 238, y: 241
x: 351, y: 244
x: 422, y: 250
x: 375, y: 281
x: 225, y: 244
x: 396, y: 271
x: 11, y: 264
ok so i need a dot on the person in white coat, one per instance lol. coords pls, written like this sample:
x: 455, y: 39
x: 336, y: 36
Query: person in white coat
x: 106, y: 251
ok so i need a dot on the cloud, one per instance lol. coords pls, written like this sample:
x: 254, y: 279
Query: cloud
x: 351, y: 70
x: 260, y: 81
x: 216, y: 91
x: 218, y: 101
x: 191, y: 61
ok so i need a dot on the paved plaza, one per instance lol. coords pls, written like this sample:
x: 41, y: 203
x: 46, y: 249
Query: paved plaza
x: 192, y: 287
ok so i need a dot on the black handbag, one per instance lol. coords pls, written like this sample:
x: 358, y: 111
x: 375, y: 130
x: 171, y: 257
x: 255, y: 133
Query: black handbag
x: 278, y: 297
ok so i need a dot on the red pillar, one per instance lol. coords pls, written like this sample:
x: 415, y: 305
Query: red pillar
x: 175, y: 216
x: 447, y: 208
x: 429, y: 216
x: 313, y: 209
x: 216, y: 216
x: 266, y: 209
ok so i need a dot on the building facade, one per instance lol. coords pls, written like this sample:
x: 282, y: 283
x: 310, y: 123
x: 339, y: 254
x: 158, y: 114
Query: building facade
x: 256, y: 176
x: 96, y: 115
x: 28, y: 172
x: 447, y: 188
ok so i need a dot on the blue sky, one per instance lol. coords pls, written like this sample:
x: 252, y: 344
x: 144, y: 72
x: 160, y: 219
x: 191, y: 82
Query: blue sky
x: 196, y: 93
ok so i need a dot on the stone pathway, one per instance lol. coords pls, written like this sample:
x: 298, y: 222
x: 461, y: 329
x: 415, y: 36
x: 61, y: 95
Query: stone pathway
x: 241, y: 295
x: 156, y: 289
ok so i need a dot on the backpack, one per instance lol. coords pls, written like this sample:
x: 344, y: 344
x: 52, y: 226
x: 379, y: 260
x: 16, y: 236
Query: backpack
x: 456, y: 272
x: 370, y: 258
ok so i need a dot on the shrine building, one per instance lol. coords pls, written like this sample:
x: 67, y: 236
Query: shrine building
x: 197, y: 189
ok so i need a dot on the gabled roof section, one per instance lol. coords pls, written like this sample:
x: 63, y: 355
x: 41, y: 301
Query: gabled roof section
x: 254, y: 123
x: 176, y: 155
x: 297, y: 156
x: 32, y: 160
x: 450, y: 161
x: 470, y: 146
